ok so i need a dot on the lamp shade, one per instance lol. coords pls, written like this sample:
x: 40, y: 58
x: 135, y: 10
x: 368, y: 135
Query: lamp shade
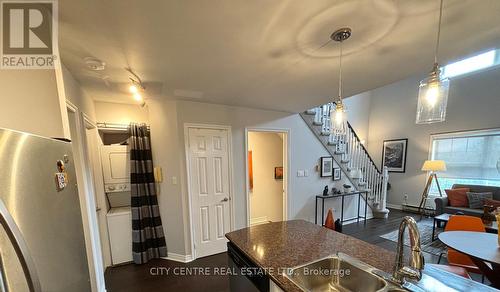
x: 434, y: 165
x: 338, y: 119
x: 432, y: 98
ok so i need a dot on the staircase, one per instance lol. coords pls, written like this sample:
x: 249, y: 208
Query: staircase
x: 352, y: 157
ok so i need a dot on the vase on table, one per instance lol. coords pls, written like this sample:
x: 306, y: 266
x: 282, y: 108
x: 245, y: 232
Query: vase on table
x: 487, y: 217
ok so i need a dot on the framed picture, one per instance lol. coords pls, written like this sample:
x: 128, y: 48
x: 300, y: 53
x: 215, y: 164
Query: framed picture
x: 326, y: 166
x: 337, y: 173
x: 394, y: 155
x: 278, y: 172
x: 250, y: 170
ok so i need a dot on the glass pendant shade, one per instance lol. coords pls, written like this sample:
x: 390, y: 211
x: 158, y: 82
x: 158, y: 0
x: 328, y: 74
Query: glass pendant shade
x: 338, y: 119
x: 432, y: 98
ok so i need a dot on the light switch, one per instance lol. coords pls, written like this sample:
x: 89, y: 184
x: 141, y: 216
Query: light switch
x: 306, y: 173
x: 174, y: 180
x: 300, y: 173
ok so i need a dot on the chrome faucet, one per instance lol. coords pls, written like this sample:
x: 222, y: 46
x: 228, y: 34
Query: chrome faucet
x: 416, y: 257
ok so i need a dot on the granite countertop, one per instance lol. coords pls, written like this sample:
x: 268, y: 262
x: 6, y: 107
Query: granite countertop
x: 280, y: 245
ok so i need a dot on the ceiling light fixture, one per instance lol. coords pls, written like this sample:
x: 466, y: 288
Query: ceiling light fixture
x: 138, y: 97
x: 133, y: 89
x: 433, y: 90
x: 137, y: 87
x: 338, y: 113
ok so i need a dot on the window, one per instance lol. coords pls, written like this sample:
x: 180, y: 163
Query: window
x: 471, y: 158
x: 471, y: 64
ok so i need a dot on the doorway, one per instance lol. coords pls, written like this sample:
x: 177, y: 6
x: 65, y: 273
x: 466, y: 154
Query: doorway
x: 208, y: 153
x: 267, y: 175
x: 86, y: 196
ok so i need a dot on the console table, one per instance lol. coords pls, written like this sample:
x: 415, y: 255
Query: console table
x: 342, y: 196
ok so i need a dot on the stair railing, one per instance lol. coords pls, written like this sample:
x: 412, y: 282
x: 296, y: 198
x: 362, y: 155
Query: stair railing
x: 348, y: 151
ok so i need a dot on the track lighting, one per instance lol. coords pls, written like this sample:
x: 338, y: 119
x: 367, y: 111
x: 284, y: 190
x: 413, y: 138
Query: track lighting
x: 133, y: 89
x: 137, y: 88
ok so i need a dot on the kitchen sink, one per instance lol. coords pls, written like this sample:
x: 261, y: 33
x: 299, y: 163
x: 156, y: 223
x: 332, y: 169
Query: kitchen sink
x: 338, y: 273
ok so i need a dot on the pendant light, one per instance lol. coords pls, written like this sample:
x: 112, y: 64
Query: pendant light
x: 338, y: 113
x: 433, y: 90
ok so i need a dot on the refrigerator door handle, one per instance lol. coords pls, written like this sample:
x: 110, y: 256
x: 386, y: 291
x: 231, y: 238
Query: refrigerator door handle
x: 21, y: 248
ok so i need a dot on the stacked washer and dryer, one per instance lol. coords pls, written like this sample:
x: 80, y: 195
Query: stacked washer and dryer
x: 116, y: 171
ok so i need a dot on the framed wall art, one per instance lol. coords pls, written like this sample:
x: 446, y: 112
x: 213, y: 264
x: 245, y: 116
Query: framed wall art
x: 326, y: 166
x: 394, y: 154
x: 278, y: 172
x: 337, y: 173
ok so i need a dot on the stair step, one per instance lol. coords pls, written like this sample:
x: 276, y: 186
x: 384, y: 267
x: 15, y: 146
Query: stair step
x: 361, y: 184
x: 345, y: 160
x: 339, y: 152
x: 318, y: 123
x: 332, y: 143
x: 310, y: 112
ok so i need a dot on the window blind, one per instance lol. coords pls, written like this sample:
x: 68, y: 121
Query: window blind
x: 469, y: 155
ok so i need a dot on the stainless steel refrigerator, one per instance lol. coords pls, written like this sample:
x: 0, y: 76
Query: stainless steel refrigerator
x: 42, y: 245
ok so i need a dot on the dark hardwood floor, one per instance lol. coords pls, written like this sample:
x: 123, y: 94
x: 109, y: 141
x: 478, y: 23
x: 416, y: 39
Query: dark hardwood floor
x: 153, y: 276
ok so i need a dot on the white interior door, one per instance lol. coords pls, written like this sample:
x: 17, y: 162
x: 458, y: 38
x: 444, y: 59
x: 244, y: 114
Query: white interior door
x: 209, y: 187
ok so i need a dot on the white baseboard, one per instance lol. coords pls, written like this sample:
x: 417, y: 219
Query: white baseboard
x: 394, y: 206
x: 258, y: 220
x: 179, y: 257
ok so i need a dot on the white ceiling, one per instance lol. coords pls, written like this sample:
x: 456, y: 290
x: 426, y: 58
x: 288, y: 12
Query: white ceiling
x: 261, y: 53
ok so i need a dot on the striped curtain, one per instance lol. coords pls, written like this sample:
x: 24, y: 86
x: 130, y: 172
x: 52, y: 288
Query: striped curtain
x: 148, y: 240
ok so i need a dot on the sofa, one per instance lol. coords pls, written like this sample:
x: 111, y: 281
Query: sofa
x: 442, y: 205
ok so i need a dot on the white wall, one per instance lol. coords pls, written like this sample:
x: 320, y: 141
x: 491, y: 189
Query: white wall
x: 358, y: 114
x: 30, y: 103
x: 167, y: 119
x: 167, y: 154
x: 474, y: 103
x: 119, y: 113
x: 77, y: 96
x: 266, y: 197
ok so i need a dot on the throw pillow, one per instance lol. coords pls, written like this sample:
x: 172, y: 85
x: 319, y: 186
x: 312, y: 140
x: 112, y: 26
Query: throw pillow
x: 476, y: 200
x: 491, y: 202
x: 458, y: 197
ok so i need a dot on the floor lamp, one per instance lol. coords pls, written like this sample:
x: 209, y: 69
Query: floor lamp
x: 431, y: 166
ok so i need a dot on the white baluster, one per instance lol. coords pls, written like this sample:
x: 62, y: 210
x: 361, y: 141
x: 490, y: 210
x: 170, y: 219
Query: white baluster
x: 372, y: 176
x: 351, y: 144
x: 383, y: 196
x: 317, y: 117
x: 356, y: 159
x: 311, y: 111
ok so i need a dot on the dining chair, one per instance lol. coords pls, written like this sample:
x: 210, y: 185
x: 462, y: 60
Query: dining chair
x: 463, y: 223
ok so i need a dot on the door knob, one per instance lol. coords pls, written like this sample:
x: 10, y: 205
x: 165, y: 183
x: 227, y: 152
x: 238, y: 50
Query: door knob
x: 225, y: 199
